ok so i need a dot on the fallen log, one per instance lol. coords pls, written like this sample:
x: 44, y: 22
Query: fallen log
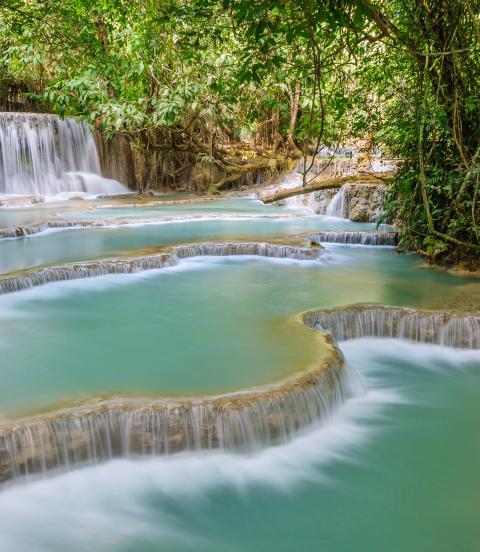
x: 327, y: 184
x: 324, y: 184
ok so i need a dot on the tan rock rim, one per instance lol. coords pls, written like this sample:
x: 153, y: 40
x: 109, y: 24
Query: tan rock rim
x: 234, y: 400
x: 448, y: 328
x: 102, y: 429
x: 151, y: 259
x: 106, y: 222
x: 52, y: 439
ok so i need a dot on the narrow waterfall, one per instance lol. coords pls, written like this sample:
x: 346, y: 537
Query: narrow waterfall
x: 361, y: 238
x: 245, y: 421
x: 440, y: 328
x: 339, y: 205
x: 44, y: 155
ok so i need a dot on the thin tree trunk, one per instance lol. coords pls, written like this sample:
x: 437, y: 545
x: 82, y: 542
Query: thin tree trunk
x: 294, y: 101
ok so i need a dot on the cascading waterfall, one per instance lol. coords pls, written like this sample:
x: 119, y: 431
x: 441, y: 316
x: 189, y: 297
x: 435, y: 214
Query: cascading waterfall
x: 31, y: 229
x: 318, y: 202
x: 44, y: 155
x: 91, y: 269
x: 361, y: 238
x: 245, y: 421
x: 328, y: 166
x: 339, y: 205
x: 439, y: 328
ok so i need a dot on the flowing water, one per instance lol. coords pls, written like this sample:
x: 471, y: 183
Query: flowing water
x: 42, y: 154
x: 53, y: 247
x: 401, y: 457
x: 339, y: 205
x: 204, y: 325
x: 382, y: 456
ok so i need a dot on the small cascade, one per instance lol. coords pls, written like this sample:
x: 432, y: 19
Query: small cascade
x: 248, y: 248
x: 92, y: 269
x: 32, y: 229
x: 58, y: 224
x: 440, y: 328
x: 361, y: 238
x: 314, y: 202
x: 339, y: 205
x: 244, y: 422
x: 44, y: 155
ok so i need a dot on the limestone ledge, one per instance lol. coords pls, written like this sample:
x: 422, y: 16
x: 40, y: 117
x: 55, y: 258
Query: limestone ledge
x: 167, y: 257
x: 104, y: 428
x: 451, y: 329
x: 361, y: 238
x: 64, y: 224
x: 121, y: 426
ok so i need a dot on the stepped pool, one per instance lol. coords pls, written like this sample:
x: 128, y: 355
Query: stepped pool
x: 64, y: 245
x: 386, y: 460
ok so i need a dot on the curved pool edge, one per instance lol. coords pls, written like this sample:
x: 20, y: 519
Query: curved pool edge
x: 166, y: 257
x: 105, y: 428
x: 246, y: 420
x: 451, y: 329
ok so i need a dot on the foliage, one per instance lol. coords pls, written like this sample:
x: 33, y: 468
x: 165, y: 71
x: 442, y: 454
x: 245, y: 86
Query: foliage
x: 289, y: 75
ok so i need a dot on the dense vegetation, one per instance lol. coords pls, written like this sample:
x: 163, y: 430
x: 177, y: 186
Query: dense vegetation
x: 287, y: 75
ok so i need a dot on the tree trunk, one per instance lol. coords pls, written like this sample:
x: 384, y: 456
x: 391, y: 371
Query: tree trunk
x: 294, y: 101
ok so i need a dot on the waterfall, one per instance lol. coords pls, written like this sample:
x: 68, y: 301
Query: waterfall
x: 244, y: 421
x: 314, y: 202
x: 362, y: 238
x: 44, y: 155
x: 339, y: 205
x: 440, y: 328
x: 129, y: 265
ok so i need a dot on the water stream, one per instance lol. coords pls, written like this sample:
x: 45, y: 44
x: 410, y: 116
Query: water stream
x: 44, y: 155
x: 376, y: 454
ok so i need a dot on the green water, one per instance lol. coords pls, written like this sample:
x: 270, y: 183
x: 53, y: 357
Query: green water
x: 232, y: 207
x: 209, y: 325
x: 87, y: 243
x: 395, y: 469
x: 185, y: 330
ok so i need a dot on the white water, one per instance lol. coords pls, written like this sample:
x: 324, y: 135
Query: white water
x: 44, y: 155
x: 104, y: 507
x: 339, y: 204
x: 308, y: 203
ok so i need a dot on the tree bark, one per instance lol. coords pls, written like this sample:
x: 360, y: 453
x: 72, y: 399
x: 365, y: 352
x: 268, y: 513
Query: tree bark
x: 294, y: 101
x: 327, y: 184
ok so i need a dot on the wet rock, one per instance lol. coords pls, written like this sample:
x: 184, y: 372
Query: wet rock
x: 365, y: 201
x: 21, y: 201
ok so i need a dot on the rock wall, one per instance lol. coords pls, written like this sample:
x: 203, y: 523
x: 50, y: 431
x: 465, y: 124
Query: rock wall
x: 365, y: 201
x: 117, y: 159
x: 362, y: 202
